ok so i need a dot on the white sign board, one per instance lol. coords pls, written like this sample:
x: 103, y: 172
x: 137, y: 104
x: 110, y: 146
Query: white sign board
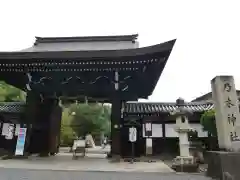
x: 5, y: 129
x: 9, y: 130
x: 148, y: 126
x: 132, y: 134
x: 78, y: 143
x: 227, y: 110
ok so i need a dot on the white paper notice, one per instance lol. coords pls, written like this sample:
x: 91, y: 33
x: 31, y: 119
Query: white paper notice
x: 10, y: 131
x: 5, y: 129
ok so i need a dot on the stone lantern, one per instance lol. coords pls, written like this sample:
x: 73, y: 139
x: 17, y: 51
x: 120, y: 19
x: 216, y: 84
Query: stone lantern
x: 182, y: 128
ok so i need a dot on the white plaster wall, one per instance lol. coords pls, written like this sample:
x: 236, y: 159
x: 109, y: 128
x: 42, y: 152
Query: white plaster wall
x: 156, y: 130
x: 170, y: 131
x: 199, y: 129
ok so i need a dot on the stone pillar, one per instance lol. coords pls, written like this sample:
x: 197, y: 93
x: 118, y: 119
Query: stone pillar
x: 116, y: 125
x: 226, y: 112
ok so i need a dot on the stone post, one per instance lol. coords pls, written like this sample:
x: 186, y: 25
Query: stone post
x: 226, y: 112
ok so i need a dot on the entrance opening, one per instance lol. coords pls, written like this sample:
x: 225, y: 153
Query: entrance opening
x: 85, y: 129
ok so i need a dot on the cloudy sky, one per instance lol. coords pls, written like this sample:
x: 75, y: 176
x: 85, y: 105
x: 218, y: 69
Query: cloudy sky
x: 207, y: 32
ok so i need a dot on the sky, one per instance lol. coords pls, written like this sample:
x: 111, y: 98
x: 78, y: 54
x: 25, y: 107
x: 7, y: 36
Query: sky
x: 207, y: 32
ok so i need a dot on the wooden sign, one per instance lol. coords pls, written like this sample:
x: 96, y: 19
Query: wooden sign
x: 132, y: 134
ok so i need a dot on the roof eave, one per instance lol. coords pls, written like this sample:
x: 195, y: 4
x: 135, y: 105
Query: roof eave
x: 163, y: 47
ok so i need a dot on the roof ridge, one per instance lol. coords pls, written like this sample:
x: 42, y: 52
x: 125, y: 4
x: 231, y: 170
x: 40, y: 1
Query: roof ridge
x: 38, y: 40
x: 171, y: 103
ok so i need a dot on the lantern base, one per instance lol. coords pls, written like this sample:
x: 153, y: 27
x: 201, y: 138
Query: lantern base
x: 185, y: 164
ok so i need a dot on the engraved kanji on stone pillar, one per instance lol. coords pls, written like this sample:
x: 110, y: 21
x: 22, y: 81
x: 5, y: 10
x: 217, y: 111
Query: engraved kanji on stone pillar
x: 226, y: 112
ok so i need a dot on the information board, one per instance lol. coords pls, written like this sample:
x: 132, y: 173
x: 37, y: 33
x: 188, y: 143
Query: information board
x: 132, y: 134
x: 21, y: 141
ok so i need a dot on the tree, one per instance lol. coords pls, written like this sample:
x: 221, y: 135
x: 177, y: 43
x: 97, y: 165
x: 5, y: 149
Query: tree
x: 90, y: 119
x: 67, y: 134
x: 209, y: 123
x: 9, y: 93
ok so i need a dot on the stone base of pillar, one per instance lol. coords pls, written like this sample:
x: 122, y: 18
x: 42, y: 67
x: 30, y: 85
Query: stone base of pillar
x: 185, y: 164
x: 116, y: 158
x: 44, y: 154
x: 184, y: 160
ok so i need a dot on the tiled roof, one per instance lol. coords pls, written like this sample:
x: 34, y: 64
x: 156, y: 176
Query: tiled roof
x: 12, y: 107
x: 129, y: 107
x: 148, y: 108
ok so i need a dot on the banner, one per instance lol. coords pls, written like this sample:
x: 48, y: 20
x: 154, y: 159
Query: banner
x: 21, y: 141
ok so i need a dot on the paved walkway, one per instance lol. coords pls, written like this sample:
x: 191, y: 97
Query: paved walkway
x: 93, y: 167
x: 93, y: 163
x: 17, y: 174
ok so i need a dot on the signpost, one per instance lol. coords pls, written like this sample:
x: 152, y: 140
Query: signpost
x: 132, y: 139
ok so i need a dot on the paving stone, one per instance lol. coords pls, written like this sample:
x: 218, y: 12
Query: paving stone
x: 25, y: 174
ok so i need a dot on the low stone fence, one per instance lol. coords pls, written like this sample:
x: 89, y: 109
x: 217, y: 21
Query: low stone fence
x: 223, y: 165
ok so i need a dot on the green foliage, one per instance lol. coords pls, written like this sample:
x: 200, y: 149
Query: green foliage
x: 209, y: 123
x: 67, y: 134
x: 9, y: 93
x: 81, y: 119
x: 90, y: 118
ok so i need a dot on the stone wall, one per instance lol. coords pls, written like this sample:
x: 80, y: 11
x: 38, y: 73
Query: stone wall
x: 223, y: 165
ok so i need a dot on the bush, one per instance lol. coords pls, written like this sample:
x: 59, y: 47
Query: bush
x: 208, y: 122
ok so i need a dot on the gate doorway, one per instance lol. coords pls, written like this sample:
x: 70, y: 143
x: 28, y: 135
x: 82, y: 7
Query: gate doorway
x: 88, y: 125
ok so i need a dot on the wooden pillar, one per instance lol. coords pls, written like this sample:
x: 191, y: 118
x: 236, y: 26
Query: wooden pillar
x: 116, y: 116
x: 116, y: 125
x: 40, y: 115
x: 164, y: 132
x: 44, y: 126
x: 164, y: 128
x: 55, y: 128
x: 32, y: 104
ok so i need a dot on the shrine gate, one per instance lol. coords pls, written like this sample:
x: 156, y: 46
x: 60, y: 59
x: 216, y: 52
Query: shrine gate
x: 102, y: 68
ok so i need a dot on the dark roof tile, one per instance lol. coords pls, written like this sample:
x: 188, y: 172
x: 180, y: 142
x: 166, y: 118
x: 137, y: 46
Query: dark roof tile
x: 12, y: 107
x: 148, y: 108
x: 129, y: 107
